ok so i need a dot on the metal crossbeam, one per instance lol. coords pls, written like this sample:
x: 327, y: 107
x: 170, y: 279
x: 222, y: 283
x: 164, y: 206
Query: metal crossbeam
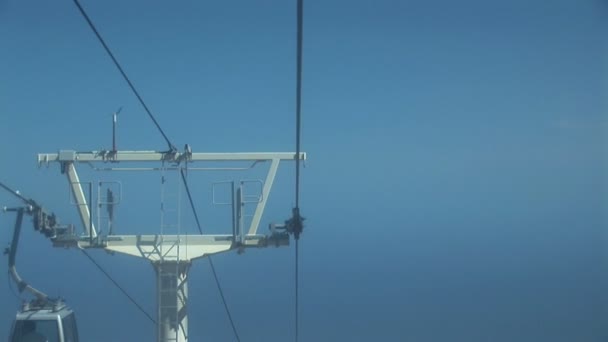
x: 148, y: 246
x: 154, y: 156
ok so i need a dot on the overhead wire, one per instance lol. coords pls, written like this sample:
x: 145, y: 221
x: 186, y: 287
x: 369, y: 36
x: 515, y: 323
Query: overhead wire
x: 219, y: 287
x: 297, y: 219
x: 124, y: 75
x: 298, y: 97
x: 215, y: 276
x: 198, y: 223
x: 118, y: 286
x: 297, y: 271
x: 171, y: 147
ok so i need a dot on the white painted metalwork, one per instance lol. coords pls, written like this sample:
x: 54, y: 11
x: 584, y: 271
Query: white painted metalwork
x: 153, y: 156
x: 172, y: 296
x: 79, y: 199
x: 171, y: 252
x: 257, y: 215
x: 170, y: 275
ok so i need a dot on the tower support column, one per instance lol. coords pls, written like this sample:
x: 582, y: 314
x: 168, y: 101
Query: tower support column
x: 172, y: 298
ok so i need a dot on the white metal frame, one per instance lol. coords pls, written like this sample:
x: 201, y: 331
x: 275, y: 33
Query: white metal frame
x: 160, y: 249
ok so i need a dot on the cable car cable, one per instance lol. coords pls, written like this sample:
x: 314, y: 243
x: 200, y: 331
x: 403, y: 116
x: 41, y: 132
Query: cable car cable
x: 298, y: 99
x: 219, y: 287
x: 215, y: 276
x: 124, y: 75
x: 297, y: 220
x: 118, y: 286
x: 198, y: 223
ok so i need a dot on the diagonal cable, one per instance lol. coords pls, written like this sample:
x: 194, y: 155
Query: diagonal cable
x: 118, y: 286
x: 219, y: 287
x: 198, y: 223
x: 124, y: 75
x: 215, y: 276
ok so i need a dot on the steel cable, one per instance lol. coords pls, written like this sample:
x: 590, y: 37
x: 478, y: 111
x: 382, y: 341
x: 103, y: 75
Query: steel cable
x: 297, y: 218
x: 124, y: 75
x: 118, y: 286
x: 215, y: 276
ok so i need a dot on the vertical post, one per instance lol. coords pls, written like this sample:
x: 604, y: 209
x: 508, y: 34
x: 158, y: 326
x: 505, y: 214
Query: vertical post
x: 234, y: 224
x: 98, y: 206
x: 110, y: 207
x: 114, y: 132
x: 172, y: 296
x: 90, y: 213
x: 240, y: 214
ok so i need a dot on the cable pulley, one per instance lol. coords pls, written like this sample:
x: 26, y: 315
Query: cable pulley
x: 295, y: 224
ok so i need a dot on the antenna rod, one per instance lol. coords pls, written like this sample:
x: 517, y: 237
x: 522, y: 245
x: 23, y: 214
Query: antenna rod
x: 114, y: 115
x: 114, y: 132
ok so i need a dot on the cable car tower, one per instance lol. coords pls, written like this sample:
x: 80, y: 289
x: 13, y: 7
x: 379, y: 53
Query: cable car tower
x: 170, y: 252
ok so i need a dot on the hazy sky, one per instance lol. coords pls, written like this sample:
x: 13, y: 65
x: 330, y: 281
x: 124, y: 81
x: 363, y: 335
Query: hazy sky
x: 456, y: 187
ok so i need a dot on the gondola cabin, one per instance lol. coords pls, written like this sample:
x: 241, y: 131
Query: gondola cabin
x: 51, y: 323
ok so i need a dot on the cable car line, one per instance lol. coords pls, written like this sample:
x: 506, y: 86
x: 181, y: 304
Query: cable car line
x: 198, y: 223
x: 219, y: 287
x: 215, y: 276
x: 297, y: 220
x: 119, y: 287
x: 124, y: 75
x: 298, y: 100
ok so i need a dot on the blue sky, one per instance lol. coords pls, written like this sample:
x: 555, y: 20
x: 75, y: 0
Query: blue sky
x: 456, y: 183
